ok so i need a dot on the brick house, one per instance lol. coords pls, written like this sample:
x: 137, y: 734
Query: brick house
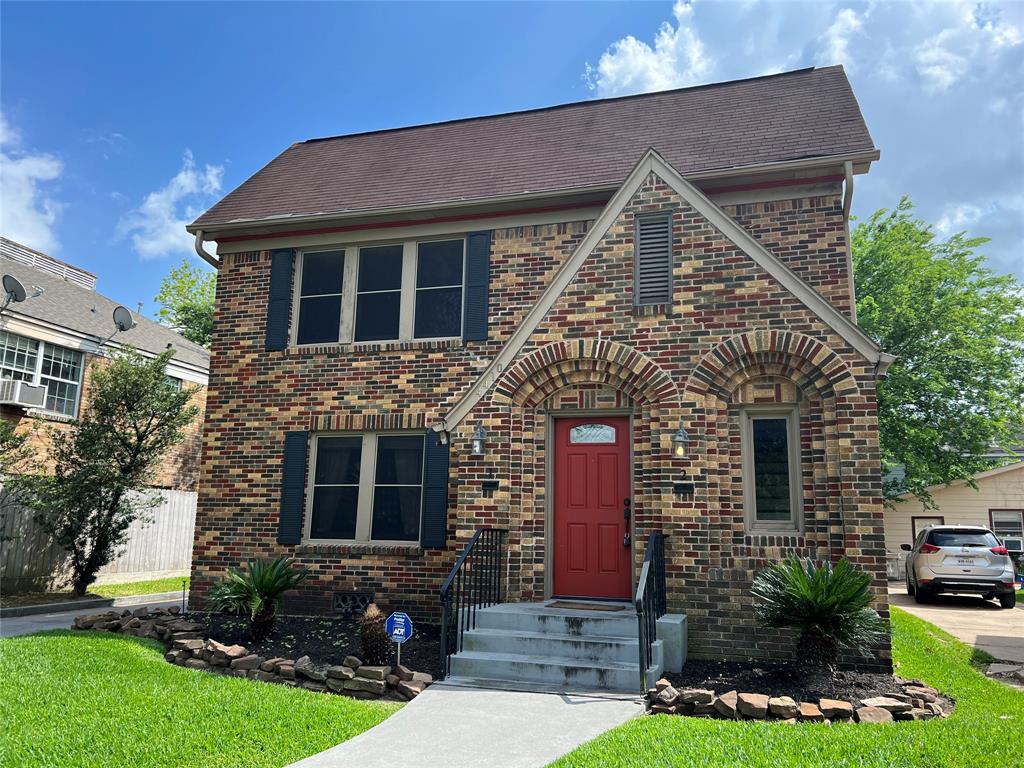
x: 582, y: 325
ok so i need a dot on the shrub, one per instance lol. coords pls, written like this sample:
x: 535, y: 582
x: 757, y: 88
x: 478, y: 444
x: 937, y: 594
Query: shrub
x: 374, y: 636
x: 257, y: 592
x: 828, y: 605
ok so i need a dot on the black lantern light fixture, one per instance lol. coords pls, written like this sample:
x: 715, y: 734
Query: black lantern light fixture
x: 479, y: 440
x: 680, y: 443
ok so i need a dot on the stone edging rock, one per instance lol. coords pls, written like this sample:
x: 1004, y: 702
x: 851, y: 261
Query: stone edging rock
x: 917, y: 702
x: 188, y: 647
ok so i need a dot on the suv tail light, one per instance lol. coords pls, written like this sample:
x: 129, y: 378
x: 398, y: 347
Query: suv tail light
x: 1000, y: 551
x: 929, y: 548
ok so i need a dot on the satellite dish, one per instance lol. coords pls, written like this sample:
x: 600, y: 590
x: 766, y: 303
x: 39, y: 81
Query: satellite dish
x: 14, y: 289
x: 123, y: 319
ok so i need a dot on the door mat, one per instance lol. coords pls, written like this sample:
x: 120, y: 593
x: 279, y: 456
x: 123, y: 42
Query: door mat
x: 585, y: 606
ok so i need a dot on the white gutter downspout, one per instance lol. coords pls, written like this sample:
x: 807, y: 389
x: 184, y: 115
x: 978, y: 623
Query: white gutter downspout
x: 847, y: 204
x: 207, y: 257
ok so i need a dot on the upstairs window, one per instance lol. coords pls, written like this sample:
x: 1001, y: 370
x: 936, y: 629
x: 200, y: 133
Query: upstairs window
x: 771, y: 469
x: 320, y: 297
x: 653, y: 260
x: 59, y: 369
x: 388, y: 292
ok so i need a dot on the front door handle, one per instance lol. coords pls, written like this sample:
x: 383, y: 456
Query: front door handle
x: 626, y: 514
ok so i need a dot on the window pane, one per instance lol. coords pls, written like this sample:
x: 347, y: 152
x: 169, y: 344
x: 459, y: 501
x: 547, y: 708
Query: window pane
x: 439, y: 263
x: 60, y: 396
x: 337, y: 460
x: 377, y: 316
x: 380, y: 268
x: 962, y: 538
x: 17, y: 356
x: 592, y: 433
x: 334, y: 512
x: 438, y: 313
x: 322, y: 272
x: 61, y: 363
x: 399, y: 460
x: 396, y: 513
x: 771, y: 470
x: 319, y: 320
x: 1007, y: 523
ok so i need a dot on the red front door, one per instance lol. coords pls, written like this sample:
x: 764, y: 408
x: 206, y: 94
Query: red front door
x: 592, y: 486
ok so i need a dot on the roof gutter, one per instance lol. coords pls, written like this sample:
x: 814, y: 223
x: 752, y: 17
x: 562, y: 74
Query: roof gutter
x: 610, y: 187
x: 209, y: 258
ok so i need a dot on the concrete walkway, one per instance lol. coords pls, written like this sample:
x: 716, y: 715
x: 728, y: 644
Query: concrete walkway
x: 462, y: 727
x: 26, y: 625
x: 979, y: 623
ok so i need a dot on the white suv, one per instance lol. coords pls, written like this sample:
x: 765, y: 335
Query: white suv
x: 959, y: 558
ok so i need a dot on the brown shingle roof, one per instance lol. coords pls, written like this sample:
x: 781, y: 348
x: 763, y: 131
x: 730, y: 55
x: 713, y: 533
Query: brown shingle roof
x: 801, y: 114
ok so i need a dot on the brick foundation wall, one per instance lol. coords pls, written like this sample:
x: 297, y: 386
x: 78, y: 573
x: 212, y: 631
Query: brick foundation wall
x: 731, y: 336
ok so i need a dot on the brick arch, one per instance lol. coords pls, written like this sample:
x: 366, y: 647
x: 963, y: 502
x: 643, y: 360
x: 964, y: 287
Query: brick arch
x: 564, y: 363
x: 812, y: 365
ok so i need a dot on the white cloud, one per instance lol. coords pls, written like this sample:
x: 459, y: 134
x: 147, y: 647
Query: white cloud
x: 157, y: 227
x: 28, y: 212
x: 965, y: 216
x: 678, y: 58
x: 836, y: 49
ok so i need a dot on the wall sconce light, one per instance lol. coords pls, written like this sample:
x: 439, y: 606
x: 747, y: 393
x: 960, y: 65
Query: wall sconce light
x: 680, y: 443
x: 479, y: 440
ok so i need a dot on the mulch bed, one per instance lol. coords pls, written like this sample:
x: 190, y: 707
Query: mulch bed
x: 326, y: 640
x: 780, y: 680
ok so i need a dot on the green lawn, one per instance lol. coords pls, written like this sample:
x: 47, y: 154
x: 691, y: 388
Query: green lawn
x: 126, y: 589
x: 987, y: 727
x: 87, y: 699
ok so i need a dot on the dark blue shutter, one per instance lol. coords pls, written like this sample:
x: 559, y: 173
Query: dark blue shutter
x: 434, y: 522
x: 293, y: 487
x: 280, y: 299
x: 478, y: 278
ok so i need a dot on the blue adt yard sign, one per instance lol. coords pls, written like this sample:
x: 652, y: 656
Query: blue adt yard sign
x: 399, y: 628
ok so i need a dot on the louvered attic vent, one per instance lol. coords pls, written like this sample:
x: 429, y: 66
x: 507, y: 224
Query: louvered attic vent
x: 653, y: 283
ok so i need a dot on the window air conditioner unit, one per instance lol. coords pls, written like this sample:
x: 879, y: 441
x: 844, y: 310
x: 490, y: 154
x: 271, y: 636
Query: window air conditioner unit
x: 1014, y: 544
x: 22, y: 394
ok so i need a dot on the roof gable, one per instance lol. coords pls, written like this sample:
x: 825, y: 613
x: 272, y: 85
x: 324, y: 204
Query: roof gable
x: 591, y: 145
x: 652, y: 162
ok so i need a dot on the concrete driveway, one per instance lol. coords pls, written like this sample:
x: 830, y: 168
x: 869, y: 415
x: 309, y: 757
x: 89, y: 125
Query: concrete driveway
x: 980, y: 623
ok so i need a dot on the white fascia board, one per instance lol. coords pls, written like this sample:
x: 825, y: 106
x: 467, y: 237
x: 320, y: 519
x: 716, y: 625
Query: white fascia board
x: 653, y: 162
x: 41, y: 330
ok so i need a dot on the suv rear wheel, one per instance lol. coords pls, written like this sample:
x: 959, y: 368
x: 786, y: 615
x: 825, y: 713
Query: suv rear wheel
x: 922, y: 594
x: 1008, y: 600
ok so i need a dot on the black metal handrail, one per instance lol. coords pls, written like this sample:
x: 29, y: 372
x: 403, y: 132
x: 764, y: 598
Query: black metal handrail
x: 651, y: 601
x: 475, y: 582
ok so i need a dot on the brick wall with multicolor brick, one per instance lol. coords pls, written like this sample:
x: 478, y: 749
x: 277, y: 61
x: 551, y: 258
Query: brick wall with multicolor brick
x: 731, y: 335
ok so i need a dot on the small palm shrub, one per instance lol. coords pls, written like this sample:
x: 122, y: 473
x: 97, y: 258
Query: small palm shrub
x: 829, y: 605
x: 373, y: 636
x: 256, y: 592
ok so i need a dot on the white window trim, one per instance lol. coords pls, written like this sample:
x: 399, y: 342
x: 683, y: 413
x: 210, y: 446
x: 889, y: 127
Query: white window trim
x: 367, y: 486
x: 748, y: 414
x: 37, y: 375
x: 349, y: 291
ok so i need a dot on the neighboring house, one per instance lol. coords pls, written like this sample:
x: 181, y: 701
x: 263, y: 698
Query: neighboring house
x: 997, y: 504
x: 510, y: 322
x: 52, y: 340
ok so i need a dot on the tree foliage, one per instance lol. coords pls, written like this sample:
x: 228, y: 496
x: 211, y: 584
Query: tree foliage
x: 956, y: 389
x: 104, y: 462
x: 17, y: 456
x: 186, y: 301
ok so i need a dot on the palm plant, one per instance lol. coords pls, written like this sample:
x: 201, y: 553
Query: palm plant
x: 257, y: 592
x: 829, y: 605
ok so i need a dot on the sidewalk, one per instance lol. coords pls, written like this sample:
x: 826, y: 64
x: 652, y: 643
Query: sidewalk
x: 25, y: 625
x: 461, y: 727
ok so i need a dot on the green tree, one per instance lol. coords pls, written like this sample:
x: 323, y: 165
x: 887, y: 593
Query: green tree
x: 186, y: 301
x: 103, y: 465
x: 957, y: 330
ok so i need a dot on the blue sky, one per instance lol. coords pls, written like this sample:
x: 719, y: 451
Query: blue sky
x: 122, y: 121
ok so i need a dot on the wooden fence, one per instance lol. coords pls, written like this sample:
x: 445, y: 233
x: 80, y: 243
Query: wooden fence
x: 29, y: 561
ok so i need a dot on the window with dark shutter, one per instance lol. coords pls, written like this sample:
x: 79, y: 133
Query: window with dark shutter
x: 653, y: 260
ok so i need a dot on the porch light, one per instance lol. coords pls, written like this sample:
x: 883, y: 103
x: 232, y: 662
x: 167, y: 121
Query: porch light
x: 479, y: 440
x: 680, y: 442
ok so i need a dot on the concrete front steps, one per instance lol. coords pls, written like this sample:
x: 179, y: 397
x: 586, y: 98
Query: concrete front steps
x: 530, y: 644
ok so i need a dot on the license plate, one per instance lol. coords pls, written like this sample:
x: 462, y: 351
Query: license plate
x: 965, y: 561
